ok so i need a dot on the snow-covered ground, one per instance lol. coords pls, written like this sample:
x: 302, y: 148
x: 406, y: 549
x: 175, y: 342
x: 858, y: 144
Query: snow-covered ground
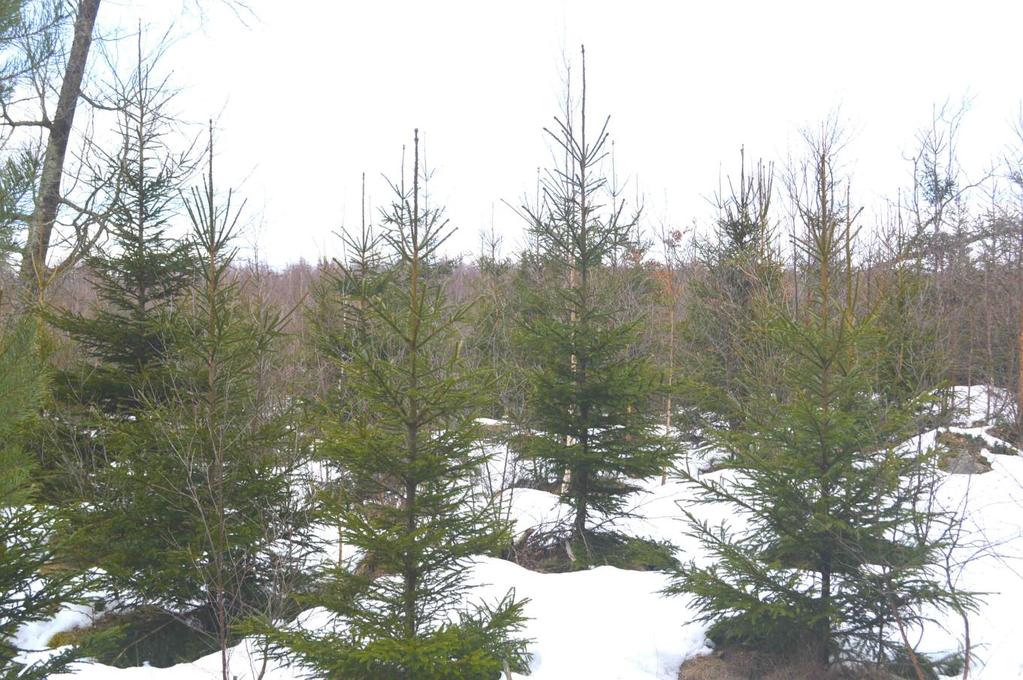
x: 607, y: 623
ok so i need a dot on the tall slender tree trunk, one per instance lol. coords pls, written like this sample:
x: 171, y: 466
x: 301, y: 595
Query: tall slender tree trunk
x: 671, y: 366
x: 580, y: 485
x: 824, y: 625
x: 213, y: 406
x: 1019, y: 384
x: 570, y: 441
x: 990, y: 358
x: 33, y: 263
x: 1019, y: 349
x: 410, y: 567
x: 578, y: 275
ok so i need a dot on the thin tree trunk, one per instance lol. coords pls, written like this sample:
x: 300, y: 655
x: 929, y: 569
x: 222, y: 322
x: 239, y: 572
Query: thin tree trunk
x: 909, y: 648
x: 990, y: 358
x: 1019, y: 385
x: 410, y: 569
x: 824, y: 626
x: 566, y: 479
x: 1019, y: 352
x: 579, y: 523
x: 671, y: 367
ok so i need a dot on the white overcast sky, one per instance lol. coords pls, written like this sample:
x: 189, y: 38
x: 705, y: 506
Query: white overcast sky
x: 308, y: 94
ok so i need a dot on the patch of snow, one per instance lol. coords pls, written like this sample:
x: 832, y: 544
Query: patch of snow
x: 36, y: 635
x: 534, y: 510
x: 976, y: 404
x: 610, y: 624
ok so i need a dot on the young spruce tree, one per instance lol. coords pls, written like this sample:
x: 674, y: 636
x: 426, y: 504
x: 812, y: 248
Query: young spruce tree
x: 739, y: 270
x: 832, y: 561
x: 590, y: 416
x: 197, y: 526
x: 141, y: 272
x: 408, y: 450
x: 139, y: 276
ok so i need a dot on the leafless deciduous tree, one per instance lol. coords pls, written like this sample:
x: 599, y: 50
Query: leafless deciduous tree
x: 61, y: 192
x: 43, y: 94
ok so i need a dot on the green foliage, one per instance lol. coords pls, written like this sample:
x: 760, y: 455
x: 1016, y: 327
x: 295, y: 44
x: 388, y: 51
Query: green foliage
x: 148, y: 635
x: 17, y: 181
x: 30, y: 589
x: 839, y: 537
x: 10, y: 18
x: 336, y: 325
x: 738, y: 274
x: 196, y: 515
x: 589, y: 403
x: 489, y: 328
x: 542, y: 554
x: 912, y: 357
x: 409, y: 451
x: 140, y: 274
x: 476, y: 647
x: 589, y: 415
x: 20, y: 166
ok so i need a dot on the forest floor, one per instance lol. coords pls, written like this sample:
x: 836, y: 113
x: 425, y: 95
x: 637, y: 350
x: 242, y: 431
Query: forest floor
x: 614, y: 624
